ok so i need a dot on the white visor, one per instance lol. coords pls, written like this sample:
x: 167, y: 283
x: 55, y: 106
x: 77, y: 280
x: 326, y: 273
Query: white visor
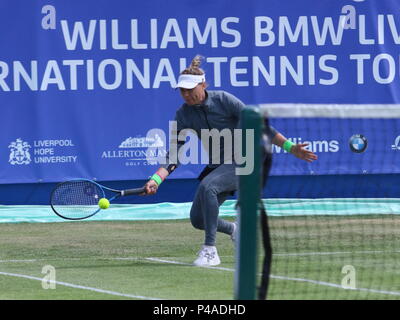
x: 189, y: 81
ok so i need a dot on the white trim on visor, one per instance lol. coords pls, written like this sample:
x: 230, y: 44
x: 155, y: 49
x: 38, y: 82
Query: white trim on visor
x: 189, y: 81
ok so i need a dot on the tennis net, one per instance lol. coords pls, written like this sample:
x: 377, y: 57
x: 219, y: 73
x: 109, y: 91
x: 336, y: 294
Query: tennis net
x: 332, y: 225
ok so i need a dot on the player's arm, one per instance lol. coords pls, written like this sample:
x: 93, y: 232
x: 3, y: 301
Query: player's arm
x: 163, y: 172
x: 172, y: 158
x: 298, y: 150
x: 157, y: 178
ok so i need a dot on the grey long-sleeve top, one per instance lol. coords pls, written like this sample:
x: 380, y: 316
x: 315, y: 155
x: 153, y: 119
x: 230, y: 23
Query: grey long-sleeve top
x: 221, y: 110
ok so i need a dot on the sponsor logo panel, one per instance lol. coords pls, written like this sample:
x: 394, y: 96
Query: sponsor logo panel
x: 138, y: 151
x: 47, y: 151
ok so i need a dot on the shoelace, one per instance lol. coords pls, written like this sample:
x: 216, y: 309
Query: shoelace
x: 207, y: 254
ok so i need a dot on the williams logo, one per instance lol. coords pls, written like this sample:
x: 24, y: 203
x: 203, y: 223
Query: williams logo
x: 330, y: 146
x: 358, y: 143
x: 19, y: 152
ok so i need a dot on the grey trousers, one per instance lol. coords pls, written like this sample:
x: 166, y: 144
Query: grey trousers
x: 211, y: 193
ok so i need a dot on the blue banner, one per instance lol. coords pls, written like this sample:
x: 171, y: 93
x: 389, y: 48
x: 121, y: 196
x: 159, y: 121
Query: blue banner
x: 83, y: 83
x: 343, y: 146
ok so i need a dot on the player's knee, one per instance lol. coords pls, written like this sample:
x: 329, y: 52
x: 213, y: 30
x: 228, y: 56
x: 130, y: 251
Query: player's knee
x: 197, y: 222
x: 207, y: 189
x: 202, y: 187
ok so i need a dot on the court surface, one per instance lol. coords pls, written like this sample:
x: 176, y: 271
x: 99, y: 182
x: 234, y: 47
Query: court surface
x: 152, y: 260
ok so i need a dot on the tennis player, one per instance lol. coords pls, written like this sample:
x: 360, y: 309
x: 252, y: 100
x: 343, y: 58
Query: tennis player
x: 206, y: 109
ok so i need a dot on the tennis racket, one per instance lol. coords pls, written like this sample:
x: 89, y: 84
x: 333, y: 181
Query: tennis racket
x: 78, y: 199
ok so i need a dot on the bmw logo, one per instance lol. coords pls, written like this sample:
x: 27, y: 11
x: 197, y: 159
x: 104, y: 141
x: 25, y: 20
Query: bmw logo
x: 358, y: 143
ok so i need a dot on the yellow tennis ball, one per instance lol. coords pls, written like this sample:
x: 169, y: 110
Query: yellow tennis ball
x: 104, y: 203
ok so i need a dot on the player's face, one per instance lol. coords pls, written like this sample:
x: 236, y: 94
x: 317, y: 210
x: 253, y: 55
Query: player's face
x: 195, y: 95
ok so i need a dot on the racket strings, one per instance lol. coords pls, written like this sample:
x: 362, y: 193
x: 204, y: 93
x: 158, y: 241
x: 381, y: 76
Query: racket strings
x: 76, y: 199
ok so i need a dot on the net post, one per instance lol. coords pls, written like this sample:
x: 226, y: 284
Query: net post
x: 248, y: 197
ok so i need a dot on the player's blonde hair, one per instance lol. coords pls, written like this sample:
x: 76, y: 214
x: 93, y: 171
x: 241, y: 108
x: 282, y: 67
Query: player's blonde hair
x: 194, y: 67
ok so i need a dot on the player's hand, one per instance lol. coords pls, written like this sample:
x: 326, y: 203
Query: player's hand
x: 150, y: 187
x: 299, y: 151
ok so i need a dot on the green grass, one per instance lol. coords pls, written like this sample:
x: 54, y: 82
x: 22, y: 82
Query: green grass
x: 111, y: 256
x: 320, y: 246
x: 113, y: 260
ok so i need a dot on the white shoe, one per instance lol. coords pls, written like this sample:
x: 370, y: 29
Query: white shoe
x: 235, y: 232
x: 207, y: 256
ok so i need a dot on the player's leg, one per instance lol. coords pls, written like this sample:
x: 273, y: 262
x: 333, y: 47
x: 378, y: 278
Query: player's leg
x: 197, y: 215
x: 213, y: 190
x: 211, y: 193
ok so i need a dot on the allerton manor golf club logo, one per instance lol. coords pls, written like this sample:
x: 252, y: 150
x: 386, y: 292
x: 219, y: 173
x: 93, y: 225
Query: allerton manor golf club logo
x: 19, y: 152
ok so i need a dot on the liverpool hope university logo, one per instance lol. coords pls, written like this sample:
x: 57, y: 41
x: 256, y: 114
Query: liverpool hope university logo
x: 19, y: 152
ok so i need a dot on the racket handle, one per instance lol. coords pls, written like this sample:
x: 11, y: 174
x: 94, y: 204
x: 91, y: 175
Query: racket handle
x: 130, y: 192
